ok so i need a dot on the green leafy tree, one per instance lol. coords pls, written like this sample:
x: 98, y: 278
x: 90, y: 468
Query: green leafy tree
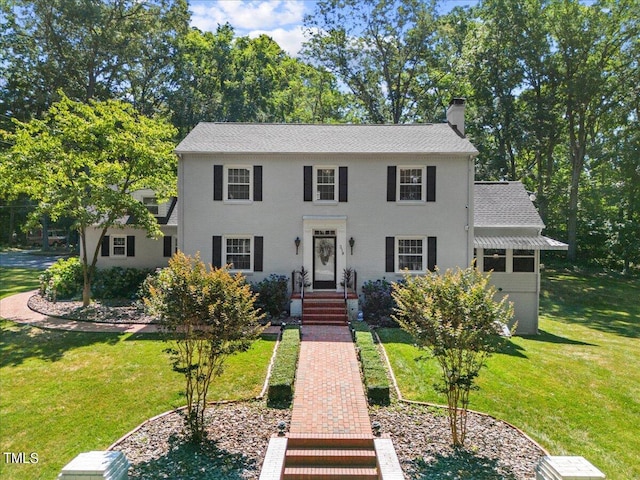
x: 380, y: 49
x: 209, y: 314
x: 454, y: 316
x: 83, y: 161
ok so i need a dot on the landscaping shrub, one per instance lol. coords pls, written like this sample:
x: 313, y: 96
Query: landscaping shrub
x: 62, y: 280
x: 118, y: 282
x: 378, y: 304
x: 283, y: 373
x: 373, y: 370
x: 273, y: 294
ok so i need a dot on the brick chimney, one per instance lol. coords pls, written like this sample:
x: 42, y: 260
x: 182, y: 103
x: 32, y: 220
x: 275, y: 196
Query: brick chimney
x: 455, y: 114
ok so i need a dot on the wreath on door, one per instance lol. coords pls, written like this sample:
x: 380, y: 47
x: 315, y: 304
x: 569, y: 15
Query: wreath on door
x: 325, y: 250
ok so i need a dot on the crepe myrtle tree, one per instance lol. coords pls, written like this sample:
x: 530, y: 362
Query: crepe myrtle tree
x: 207, y: 314
x: 453, y: 316
x: 84, y: 160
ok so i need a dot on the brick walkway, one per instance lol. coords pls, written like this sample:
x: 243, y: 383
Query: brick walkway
x: 329, y: 397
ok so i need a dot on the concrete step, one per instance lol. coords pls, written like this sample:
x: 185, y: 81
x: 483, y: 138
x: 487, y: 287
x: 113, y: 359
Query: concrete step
x: 330, y: 473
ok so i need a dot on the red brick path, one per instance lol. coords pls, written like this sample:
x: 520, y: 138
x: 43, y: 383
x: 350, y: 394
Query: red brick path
x: 329, y: 397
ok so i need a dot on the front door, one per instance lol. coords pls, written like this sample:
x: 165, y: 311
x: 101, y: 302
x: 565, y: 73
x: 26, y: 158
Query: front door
x: 324, y: 261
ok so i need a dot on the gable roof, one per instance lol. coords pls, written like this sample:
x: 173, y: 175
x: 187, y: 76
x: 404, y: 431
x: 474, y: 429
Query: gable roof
x: 324, y: 138
x: 504, y: 204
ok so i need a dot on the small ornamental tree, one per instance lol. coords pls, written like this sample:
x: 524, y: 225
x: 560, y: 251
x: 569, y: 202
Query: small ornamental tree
x: 454, y: 317
x: 208, y: 314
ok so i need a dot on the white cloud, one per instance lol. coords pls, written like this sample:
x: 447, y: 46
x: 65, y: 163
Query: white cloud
x: 245, y: 16
x: 289, y: 40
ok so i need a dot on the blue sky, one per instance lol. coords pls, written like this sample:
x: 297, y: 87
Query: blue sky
x: 280, y: 19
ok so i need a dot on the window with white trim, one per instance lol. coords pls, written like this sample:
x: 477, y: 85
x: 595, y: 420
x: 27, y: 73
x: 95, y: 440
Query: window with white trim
x: 238, y: 185
x: 411, y: 254
x: 411, y: 184
x: 119, y: 245
x: 325, y: 184
x: 238, y: 253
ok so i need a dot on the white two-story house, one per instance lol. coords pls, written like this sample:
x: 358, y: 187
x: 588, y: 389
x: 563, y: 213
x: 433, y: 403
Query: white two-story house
x: 379, y: 200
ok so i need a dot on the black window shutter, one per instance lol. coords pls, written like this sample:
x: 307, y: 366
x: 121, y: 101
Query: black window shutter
x: 217, y: 251
x: 131, y: 246
x: 432, y: 253
x: 258, y: 254
x: 391, y: 184
x: 431, y: 184
x: 257, y: 183
x: 308, y: 183
x: 105, y: 246
x: 167, y: 246
x: 343, y: 186
x: 217, y: 182
x: 389, y: 256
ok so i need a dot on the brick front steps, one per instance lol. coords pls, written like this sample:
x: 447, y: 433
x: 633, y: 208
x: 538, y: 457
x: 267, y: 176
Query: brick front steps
x: 330, y: 457
x: 324, y: 309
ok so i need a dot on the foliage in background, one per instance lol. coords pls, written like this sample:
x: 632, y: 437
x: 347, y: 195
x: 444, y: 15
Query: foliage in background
x: 207, y: 315
x: 272, y: 295
x: 453, y: 316
x: 283, y: 373
x: 84, y: 161
x: 377, y: 302
x: 374, y: 372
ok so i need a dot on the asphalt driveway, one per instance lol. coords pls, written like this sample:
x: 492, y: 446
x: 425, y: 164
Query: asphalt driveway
x: 26, y: 259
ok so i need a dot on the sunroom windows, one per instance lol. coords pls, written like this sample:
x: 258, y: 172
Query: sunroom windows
x: 504, y: 260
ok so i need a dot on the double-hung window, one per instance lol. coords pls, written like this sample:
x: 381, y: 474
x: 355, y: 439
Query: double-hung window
x: 152, y: 204
x: 411, y: 184
x: 325, y: 184
x: 411, y: 254
x: 119, y: 245
x: 238, y: 183
x: 494, y: 259
x: 238, y: 253
x: 524, y: 261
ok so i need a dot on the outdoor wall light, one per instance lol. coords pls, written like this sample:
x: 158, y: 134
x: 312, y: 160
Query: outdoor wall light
x: 352, y: 242
x: 297, y: 242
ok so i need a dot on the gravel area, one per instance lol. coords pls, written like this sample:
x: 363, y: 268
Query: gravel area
x: 123, y: 311
x: 239, y: 434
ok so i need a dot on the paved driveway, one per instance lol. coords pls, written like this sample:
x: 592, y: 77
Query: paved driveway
x: 26, y: 259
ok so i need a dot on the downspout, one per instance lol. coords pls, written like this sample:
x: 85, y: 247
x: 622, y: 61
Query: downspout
x: 469, y: 228
x: 180, y: 203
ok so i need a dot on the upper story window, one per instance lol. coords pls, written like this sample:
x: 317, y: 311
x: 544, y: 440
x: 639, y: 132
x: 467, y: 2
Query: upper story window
x: 152, y: 204
x: 238, y: 183
x: 325, y: 184
x: 410, y: 182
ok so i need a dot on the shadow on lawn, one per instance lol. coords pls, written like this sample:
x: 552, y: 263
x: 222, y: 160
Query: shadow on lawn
x: 547, y: 337
x: 19, y: 343
x: 194, y: 461
x: 461, y: 465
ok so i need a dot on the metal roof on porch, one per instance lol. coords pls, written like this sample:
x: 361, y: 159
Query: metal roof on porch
x: 520, y: 243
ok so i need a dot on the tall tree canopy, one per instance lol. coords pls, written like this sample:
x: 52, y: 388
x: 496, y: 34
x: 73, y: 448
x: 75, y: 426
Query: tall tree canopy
x: 84, y: 160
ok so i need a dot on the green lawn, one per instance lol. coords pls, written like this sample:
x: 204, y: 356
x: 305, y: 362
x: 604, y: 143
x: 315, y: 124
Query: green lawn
x: 16, y: 280
x: 575, y: 388
x: 63, y: 393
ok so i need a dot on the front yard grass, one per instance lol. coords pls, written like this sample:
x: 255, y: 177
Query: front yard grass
x: 575, y: 388
x: 17, y: 280
x: 64, y: 393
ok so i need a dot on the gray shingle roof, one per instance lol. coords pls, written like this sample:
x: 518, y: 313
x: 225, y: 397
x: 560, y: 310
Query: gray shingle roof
x: 322, y: 138
x: 504, y: 204
x: 538, y: 242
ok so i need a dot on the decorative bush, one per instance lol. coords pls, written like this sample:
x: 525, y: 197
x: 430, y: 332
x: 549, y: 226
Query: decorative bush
x: 62, y: 280
x: 118, y: 282
x: 283, y: 373
x: 273, y: 294
x: 378, y: 304
x: 374, y: 372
